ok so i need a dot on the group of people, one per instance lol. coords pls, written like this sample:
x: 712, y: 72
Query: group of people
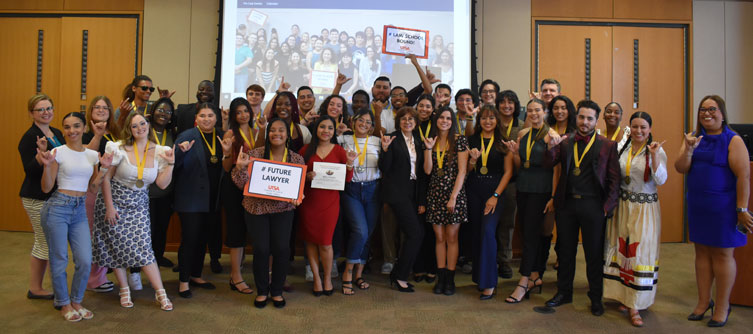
x: 265, y: 59
x: 439, y: 182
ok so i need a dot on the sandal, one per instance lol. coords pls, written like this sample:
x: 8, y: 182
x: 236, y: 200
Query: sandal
x: 512, y: 300
x: 85, y: 314
x: 125, y: 297
x: 362, y: 284
x: 160, y: 297
x: 234, y: 287
x: 348, y: 288
x: 72, y: 316
x: 636, y: 320
x: 535, y: 285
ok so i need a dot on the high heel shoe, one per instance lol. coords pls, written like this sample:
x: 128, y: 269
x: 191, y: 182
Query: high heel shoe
x: 540, y: 286
x: 160, y: 296
x: 698, y: 317
x: 484, y: 296
x: 408, y: 288
x: 714, y: 323
x: 245, y: 291
x: 125, y: 297
x: 512, y: 300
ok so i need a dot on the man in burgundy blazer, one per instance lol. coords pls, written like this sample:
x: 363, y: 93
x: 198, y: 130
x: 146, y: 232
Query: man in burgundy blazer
x: 586, y: 195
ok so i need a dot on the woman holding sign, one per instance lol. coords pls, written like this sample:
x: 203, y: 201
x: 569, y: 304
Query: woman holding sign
x: 319, y: 211
x: 269, y: 222
x: 360, y: 199
x: 446, y: 160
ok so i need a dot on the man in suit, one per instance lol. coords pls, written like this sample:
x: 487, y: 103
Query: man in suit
x: 185, y: 114
x: 586, y: 195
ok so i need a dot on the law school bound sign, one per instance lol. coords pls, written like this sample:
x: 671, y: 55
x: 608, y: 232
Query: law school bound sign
x: 280, y: 181
x: 404, y: 41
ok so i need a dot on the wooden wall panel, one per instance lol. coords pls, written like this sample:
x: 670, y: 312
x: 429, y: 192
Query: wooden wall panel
x: 570, y: 8
x: 32, y: 5
x: 654, y: 10
x: 104, y: 5
x: 20, y: 64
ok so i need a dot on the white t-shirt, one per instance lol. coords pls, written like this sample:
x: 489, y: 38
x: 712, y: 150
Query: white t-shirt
x: 304, y: 133
x: 74, y: 168
x: 388, y: 118
x: 127, y: 172
x: 371, y: 160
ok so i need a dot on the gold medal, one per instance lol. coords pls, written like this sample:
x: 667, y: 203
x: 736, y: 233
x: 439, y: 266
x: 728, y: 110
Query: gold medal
x: 483, y: 170
x: 140, y: 163
x: 627, y: 179
x: 485, y: 153
x: 440, y: 158
x: 213, y: 159
x: 527, y: 164
x: 579, y: 159
x: 440, y: 172
x: 139, y: 183
x: 576, y: 171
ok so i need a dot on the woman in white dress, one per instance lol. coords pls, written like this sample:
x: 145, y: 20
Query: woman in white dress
x: 631, y: 253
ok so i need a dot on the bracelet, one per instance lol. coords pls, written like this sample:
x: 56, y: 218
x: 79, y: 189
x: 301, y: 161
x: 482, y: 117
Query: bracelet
x: 495, y: 195
x: 741, y: 209
x: 171, y: 164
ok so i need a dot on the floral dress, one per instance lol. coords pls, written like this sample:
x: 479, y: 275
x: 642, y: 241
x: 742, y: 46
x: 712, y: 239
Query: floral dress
x: 440, y: 188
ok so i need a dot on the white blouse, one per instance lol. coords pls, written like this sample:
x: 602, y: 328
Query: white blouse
x: 127, y: 172
x: 637, y: 168
x: 371, y: 161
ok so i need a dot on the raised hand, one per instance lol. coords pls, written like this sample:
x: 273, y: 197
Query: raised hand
x: 386, y: 141
x: 342, y: 79
x: 225, y: 114
x: 512, y: 146
x: 429, y: 142
x: 105, y: 161
x: 168, y: 155
x: 691, y: 142
x: 243, y: 160
x: 42, y: 144
x: 554, y: 140
x: 431, y: 76
x: 342, y: 127
x: 165, y: 93
x: 654, y: 147
x: 378, y: 107
x: 311, y: 116
x: 534, y: 95
x: 412, y: 58
x: 185, y: 146
x: 227, y: 144
x: 46, y: 157
x: 284, y: 86
x: 351, y: 155
x: 261, y: 122
x: 99, y: 128
x: 471, y: 111
x: 125, y: 107
x: 475, y: 154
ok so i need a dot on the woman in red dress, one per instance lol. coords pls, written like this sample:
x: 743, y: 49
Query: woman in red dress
x: 321, y: 207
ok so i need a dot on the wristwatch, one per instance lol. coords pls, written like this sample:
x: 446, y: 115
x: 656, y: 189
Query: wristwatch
x: 495, y: 195
x: 741, y: 209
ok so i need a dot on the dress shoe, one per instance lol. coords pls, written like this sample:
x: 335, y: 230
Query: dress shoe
x: 449, y: 284
x: 185, y: 294
x: 261, y: 303
x: 698, y: 317
x: 487, y: 297
x: 714, y: 323
x: 205, y: 285
x: 278, y: 303
x: 439, y: 287
x: 215, y: 266
x: 504, y: 270
x: 165, y: 262
x: 559, y: 299
x: 597, y: 308
x: 47, y: 297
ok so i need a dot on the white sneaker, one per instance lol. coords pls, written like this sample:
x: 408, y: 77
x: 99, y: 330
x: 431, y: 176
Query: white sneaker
x: 387, y: 268
x: 134, y: 281
x: 309, y: 274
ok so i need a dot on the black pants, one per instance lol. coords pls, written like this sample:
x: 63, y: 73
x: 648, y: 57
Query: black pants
x: 406, y: 213
x: 531, y: 212
x: 160, y: 211
x: 426, y: 262
x: 195, y: 229
x: 214, y: 237
x: 270, y: 234
x: 586, y: 215
x: 235, y: 224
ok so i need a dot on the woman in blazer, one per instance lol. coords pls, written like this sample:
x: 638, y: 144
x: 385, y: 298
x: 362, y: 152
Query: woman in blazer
x: 403, y: 189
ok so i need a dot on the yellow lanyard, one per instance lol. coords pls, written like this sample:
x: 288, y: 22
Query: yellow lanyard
x: 457, y: 117
x: 630, y: 158
x: 529, y: 147
x: 428, y: 127
x: 110, y: 138
x: 509, y: 129
x: 164, y: 136
x: 361, y: 154
x: 485, y: 151
x: 284, y: 155
x: 614, y: 136
x: 211, y: 149
x: 291, y: 128
x: 252, y: 142
x: 140, y: 163
x: 588, y: 147
x: 440, y: 155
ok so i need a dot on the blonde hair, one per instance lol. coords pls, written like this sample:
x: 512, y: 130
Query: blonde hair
x: 39, y: 98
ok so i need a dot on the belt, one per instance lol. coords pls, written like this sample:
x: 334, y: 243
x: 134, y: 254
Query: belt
x: 577, y: 196
x: 638, y: 197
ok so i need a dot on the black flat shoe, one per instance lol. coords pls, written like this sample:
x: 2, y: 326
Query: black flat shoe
x: 278, y: 303
x: 185, y: 294
x: 30, y: 295
x: 699, y: 317
x: 559, y: 299
x: 205, y: 285
x: 165, y: 262
x: 714, y: 323
x: 260, y: 304
x: 408, y: 287
x: 597, y: 308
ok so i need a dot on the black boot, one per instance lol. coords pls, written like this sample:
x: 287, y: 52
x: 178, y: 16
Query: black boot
x: 449, y: 285
x: 439, y: 287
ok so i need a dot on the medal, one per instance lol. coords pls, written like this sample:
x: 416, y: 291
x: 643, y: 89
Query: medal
x: 139, y: 183
x: 361, y: 153
x: 485, y: 153
x: 440, y: 172
x: 483, y: 170
x: 578, y: 160
x: 440, y: 160
x: 630, y: 160
x: 140, y: 163
x: 627, y: 179
x: 360, y: 169
x: 213, y: 159
x: 576, y: 171
x: 527, y: 164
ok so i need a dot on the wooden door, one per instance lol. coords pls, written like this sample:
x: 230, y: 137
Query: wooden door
x: 661, y: 93
x: 20, y: 40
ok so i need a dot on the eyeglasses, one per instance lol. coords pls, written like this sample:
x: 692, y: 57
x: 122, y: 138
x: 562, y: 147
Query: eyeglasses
x: 487, y: 91
x: 41, y: 110
x: 147, y: 88
x: 105, y: 108
x: 165, y: 111
x: 399, y: 95
x: 365, y: 121
x: 709, y: 111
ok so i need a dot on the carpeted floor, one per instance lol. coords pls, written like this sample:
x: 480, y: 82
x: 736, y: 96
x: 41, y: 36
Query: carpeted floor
x: 377, y: 310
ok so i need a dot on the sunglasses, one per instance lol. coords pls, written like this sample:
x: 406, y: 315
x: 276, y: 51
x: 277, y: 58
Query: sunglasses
x: 147, y: 88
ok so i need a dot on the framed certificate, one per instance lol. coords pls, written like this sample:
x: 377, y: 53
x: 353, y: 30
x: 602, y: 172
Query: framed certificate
x: 323, y: 79
x: 275, y: 180
x: 404, y: 41
x: 329, y: 176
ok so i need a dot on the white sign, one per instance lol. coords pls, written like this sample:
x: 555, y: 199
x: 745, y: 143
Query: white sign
x: 323, y: 79
x: 329, y: 176
x: 275, y: 180
x: 404, y: 41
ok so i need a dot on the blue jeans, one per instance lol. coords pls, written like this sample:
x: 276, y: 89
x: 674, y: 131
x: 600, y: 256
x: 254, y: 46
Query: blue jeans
x: 360, y: 205
x: 479, y: 189
x: 64, y: 221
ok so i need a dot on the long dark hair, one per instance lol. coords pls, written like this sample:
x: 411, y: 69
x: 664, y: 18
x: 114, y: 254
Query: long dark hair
x: 294, y: 113
x: 431, y: 100
x: 509, y: 95
x: 570, y: 112
x: 170, y: 126
x: 645, y: 116
x: 314, y: 144
x: 451, y: 132
x: 232, y: 121
x: 499, y: 135
x: 545, y: 127
x: 267, y: 145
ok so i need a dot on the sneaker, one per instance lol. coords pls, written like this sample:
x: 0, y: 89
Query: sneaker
x: 387, y: 268
x: 309, y: 274
x: 134, y: 281
x: 105, y: 287
x: 334, y: 272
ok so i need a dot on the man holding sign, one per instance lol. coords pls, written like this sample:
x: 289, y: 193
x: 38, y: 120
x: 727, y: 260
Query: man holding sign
x: 404, y: 41
x: 273, y: 189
